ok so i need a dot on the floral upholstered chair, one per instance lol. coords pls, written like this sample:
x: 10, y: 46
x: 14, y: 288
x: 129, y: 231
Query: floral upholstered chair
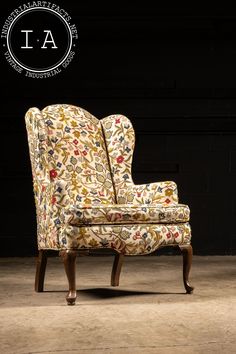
x: 86, y: 199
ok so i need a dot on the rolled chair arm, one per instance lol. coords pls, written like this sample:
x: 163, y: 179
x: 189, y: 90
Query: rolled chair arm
x: 152, y: 193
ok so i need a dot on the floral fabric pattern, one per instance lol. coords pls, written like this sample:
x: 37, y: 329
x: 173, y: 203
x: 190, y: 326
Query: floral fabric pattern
x: 76, y: 162
x: 123, y: 214
x: 76, y: 154
x: 137, y: 239
x: 120, y: 141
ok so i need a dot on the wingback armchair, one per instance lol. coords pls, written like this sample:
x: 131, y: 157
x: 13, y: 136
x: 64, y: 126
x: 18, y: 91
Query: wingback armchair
x: 85, y: 196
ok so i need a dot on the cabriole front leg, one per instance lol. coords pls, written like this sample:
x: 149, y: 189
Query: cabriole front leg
x: 187, y: 253
x: 69, y: 260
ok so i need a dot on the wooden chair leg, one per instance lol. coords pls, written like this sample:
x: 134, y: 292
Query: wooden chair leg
x: 115, y: 274
x: 41, y: 263
x: 69, y: 259
x: 187, y: 253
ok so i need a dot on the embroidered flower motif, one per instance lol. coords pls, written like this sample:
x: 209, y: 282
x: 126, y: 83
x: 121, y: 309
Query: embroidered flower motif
x: 168, y: 192
x: 53, y: 174
x: 54, y: 199
x: 120, y: 159
x: 49, y: 122
x: 75, y: 141
x: 137, y: 235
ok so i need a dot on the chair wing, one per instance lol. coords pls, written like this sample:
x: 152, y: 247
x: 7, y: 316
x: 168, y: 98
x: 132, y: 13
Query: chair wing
x: 120, y: 140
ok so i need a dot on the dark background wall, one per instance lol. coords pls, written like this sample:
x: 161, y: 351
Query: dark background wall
x: 172, y: 72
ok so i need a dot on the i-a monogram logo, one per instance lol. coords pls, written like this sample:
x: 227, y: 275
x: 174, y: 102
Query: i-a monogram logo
x: 39, y: 39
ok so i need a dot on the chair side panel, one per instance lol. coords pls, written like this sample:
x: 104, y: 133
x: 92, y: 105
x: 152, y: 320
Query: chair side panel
x: 46, y: 229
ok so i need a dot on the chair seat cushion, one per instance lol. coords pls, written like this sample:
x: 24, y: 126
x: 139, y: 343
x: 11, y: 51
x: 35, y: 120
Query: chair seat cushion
x: 125, y: 214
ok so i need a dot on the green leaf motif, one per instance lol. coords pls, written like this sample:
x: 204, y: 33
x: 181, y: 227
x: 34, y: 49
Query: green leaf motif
x: 99, y: 167
x: 108, y: 134
x: 107, y: 184
x: 125, y: 235
x: 100, y: 178
x: 69, y: 168
x: 108, y: 125
x: 73, y: 160
x: 130, y: 197
x: 78, y: 169
x: 117, y: 229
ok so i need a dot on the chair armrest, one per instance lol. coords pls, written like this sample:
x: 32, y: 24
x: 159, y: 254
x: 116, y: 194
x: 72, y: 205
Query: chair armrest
x: 152, y: 193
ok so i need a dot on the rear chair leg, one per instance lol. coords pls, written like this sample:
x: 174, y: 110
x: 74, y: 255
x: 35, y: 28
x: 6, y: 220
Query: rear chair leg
x: 41, y: 263
x: 187, y: 253
x: 69, y: 259
x: 115, y: 275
